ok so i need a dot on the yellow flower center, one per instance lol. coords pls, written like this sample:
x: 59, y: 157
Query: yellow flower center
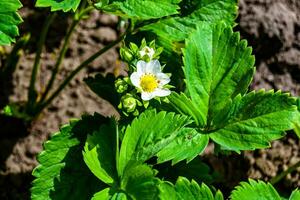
x: 148, y: 82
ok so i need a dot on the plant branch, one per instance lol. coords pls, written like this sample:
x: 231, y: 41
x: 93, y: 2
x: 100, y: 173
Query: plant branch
x: 41, y: 42
x: 78, y: 69
x: 280, y: 176
x: 76, y: 20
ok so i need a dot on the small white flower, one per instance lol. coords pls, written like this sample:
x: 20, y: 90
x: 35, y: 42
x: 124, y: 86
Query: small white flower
x: 150, y: 80
x: 147, y: 51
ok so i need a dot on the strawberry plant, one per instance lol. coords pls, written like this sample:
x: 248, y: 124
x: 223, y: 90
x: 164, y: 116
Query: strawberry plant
x: 187, y: 85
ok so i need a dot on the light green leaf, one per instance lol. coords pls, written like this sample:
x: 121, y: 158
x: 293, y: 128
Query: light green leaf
x: 254, y: 190
x: 139, y: 182
x: 141, y: 9
x: 253, y: 120
x: 62, y: 173
x: 297, y: 122
x: 182, y: 104
x: 64, y: 5
x: 218, y: 66
x: 148, y: 134
x: 99, y: 154
x: 295, y: 195
x: 9, y: 20
x: 102, y: 195
x: 191, y: 143
x: 186, y: 190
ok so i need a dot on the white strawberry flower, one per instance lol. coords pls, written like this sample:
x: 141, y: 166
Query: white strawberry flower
x: 148, y: 51
x: 150, y: 80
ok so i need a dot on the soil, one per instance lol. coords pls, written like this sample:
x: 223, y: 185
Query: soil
x: 272, y: 28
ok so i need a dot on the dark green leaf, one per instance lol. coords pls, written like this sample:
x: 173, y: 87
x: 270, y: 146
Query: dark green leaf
x: 64, y: 5
x: 9, y: 20
x: 148, y: 134
x: 141, y: 9
x: 62, y: 173
x: 104, y: 87
x: 253, y: 120
x: 254, y: 190
x: 99, y: 154
x: 139, y: 182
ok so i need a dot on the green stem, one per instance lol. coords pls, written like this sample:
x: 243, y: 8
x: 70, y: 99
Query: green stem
x: 32, y: 93
x: 280, y: 176
x: 117, y: 144
x: 63, y: 51
x: 78, y: 69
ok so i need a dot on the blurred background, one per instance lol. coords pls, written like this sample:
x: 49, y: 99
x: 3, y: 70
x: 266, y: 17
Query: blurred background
x: 272, y: 28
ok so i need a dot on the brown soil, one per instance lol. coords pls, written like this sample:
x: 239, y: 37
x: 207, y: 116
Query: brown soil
x: 272, y: 27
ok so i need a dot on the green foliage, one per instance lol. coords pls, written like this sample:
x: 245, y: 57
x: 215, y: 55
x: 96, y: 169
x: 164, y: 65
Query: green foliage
x: 9, y: 20
x: 254, y: 190
x: 104, y: 87
x: 295, y: 195
x: 140, y: 9
x: 64, y: 5
x: 253, y: 120
x: 172, y: 31
x: 186, y: 190
x: 148, y: 134
x: 217, y: 67
x: 99, y: 154
x: 62, y: 173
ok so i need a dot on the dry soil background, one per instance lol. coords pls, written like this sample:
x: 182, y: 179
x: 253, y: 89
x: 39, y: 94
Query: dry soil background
x: 272, y: 27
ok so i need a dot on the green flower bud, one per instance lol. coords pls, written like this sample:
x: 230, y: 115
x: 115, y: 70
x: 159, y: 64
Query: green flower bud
x: 129, y: 103
x: 121, y: 86
x: 126, y: 54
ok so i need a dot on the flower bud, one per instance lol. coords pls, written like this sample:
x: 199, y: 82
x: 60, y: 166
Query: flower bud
x: 121, y: 85
x: 129, y: 103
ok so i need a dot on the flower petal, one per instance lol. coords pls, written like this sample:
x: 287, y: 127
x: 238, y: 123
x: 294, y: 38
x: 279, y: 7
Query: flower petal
x: 160, y: 92
x: 163, y: 79
x: 135, y: 79
x: 141, y: 67
x: 146, y: 96
x: 153, y: 67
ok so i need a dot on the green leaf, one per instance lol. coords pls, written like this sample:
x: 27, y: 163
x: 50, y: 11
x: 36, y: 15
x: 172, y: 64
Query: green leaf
x: 218, y: 66
x: 141, y: 9
x: 99, y: 154
x: 104, y: 87
x: 148, y: 134
x: 62, y: 173
x: 9, y: 21
x: 297, y: 122
x: 295, y: 195
x: 191, y: 144
x: 139, y: 182
x: 172, y: 31
x: 253, y: 120
x: 182, y: 104
x: 186, y: 190
x: 102, y: 195
x: 254, y: 190
x: 64, y: 5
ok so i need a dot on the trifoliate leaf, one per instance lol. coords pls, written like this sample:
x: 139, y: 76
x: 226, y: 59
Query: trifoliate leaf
x: 217, y: 66
x: 148, y: 134
x: 141, y: 9
x: 9, y: 20
x: 62, y: 173
x: 254, y: 190
x: 64, y: 5
x: 191, y: 143
x: 186, y: 190
x: 254, y: 120
x: 139, y: 182
x: 104, y: 88
x: 99, y: 154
